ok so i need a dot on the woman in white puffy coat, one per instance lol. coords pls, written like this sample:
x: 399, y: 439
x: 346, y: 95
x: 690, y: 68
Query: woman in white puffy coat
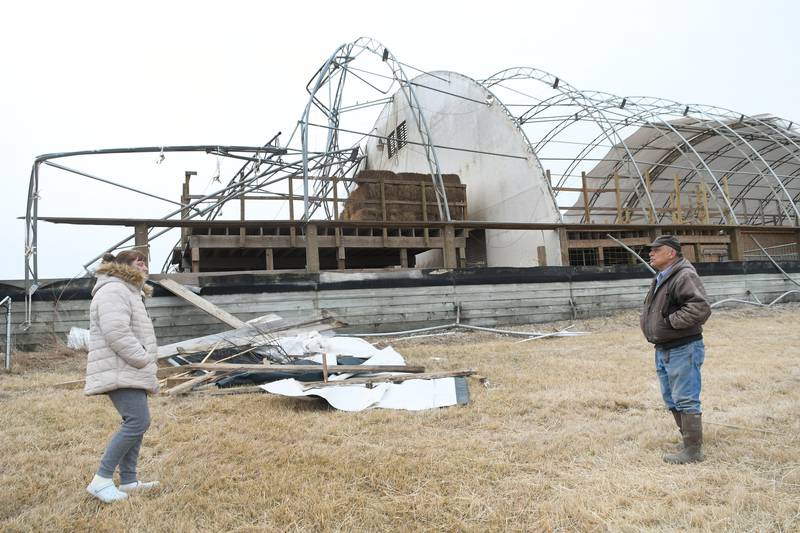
x: 122, y: 364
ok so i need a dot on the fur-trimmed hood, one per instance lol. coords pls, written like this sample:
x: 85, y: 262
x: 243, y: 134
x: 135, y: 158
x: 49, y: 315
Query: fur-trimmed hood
x: 132, y: 276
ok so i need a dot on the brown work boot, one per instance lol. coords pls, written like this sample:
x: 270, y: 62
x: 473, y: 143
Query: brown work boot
x: 677, y: 416
x: 692, y: 426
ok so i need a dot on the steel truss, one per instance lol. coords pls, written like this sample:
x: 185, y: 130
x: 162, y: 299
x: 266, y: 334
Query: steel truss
x: 733, y: 156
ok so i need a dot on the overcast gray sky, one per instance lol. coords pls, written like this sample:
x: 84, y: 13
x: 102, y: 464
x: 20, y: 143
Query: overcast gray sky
x: 86, y: 75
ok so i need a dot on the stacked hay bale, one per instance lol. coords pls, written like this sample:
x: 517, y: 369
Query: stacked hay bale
x: 402, y: 197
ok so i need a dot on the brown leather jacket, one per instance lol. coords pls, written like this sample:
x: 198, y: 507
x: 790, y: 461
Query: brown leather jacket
x: 675, y: 313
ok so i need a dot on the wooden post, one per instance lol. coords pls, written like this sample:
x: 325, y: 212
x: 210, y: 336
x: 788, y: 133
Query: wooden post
x: 270, y: 259
x: 601, y: 260
x: 291, y: 198
x: 651, y: 216
x: 185, y: 200
x: 140, y: 239
x: 292, y: 231
x: 324, y: 367
x: 242, y: 230
x: 340, y: 253
x: 736, y: 247
x: 335, y: 199
x: 449, y: 248
x: 384, y: 234
x: 617, y: 198
x: 195, y: 259
x: 541, y: 255
x: 403, y: 257
x: 549, y: 178
x: 702, y: 202
x: 341, y: 263
x: 726, y: 190
x: 678, y: 214
x: 382, y: 187
x: 425, y: 233
x: 563, y: 239
x: 312, y: 248
x: 586, y: 216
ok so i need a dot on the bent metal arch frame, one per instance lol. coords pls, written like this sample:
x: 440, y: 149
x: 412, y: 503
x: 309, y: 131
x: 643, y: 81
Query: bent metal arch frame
x: 745, y: 155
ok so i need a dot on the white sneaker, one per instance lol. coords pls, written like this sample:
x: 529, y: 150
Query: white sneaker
x: 103, y: 489
x: 138, y: 485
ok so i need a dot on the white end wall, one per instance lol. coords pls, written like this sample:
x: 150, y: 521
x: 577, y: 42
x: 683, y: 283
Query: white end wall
x: 500, y: 188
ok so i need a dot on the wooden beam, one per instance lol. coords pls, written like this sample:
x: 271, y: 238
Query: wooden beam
x: 617, y: 198
x: 182, y: 292
x: 651, y: 216
x: 187, y: 386
x: 300, y: 369
x: 586, y: 215
x: 563, y: 239
x: 541, y: 255
x: 312, y: 249
x: 270, y: 258
x: 387, y: 379
x: 736, y: 247
x: 140, y: 239
x: 449, y: 248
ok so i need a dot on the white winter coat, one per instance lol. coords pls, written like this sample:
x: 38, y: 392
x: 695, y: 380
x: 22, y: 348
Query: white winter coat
x: 122, y: 342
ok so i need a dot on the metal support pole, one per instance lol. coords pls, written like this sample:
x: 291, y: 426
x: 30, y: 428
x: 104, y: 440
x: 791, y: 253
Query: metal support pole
x: 7, y: 302
x: 637, y: 256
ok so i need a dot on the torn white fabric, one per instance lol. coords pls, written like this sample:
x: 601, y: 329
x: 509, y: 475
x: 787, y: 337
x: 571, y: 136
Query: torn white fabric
x: 411, y: 395
x: 314, y: 343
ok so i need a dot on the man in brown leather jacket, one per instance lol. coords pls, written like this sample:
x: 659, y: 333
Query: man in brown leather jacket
x: 674, y: 312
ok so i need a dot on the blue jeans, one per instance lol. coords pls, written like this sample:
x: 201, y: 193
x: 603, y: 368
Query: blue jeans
x: 678, y: 371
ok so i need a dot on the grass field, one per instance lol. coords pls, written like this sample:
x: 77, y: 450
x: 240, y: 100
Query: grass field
x: 563, y: 434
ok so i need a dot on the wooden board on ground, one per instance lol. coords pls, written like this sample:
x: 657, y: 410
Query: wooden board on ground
x: 182, y: 292
x: 300, y: 369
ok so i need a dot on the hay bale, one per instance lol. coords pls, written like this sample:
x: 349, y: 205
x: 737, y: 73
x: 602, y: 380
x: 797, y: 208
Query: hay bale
x: 364, y: 201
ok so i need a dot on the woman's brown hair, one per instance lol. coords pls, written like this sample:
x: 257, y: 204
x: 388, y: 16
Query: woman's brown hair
x: 126, y: 257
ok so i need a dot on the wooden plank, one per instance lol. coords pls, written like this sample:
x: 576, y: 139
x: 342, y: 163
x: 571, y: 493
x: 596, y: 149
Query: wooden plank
x: 246, y: 334
x: 187, y: 386
x: 201, y: 303
x: 312, y: 249
x: 141, y: 240
x: 300, y: 369
x: 587, y: 219
x: 387, y: 379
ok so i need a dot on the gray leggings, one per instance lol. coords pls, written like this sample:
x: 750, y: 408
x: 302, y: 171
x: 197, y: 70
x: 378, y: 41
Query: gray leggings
x: 123, y: 448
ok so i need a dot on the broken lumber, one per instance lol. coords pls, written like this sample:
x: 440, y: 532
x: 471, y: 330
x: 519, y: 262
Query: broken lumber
x: 301, y: 369
x: 201, y: 303
x: 187, y: 386
x: 257, y: 331
x: 387, y: 379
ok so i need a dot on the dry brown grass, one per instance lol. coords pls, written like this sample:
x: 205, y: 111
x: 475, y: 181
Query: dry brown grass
x: 567, y: 436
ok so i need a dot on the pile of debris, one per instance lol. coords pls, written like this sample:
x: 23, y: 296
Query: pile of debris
x: 289, y: 358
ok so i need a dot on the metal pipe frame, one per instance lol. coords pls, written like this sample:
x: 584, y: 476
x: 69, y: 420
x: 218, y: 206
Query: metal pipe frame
x: 337, y: 65
x: 741, y: 132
